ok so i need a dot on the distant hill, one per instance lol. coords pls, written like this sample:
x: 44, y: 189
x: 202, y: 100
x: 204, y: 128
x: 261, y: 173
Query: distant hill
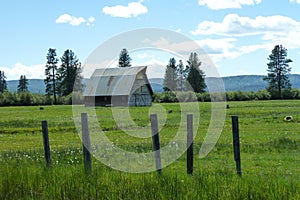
x: 235, y: 83
x: 34, y: 85
x: 252, y: 82
x: 231, y: 83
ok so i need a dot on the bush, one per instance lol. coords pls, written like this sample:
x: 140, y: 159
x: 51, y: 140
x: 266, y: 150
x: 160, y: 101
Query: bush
x: 26, y: 98
x: 203, y: 97
x: 263, y: 95
x: 295, y: 94
x: 186, y: 96
x: 168, y: 97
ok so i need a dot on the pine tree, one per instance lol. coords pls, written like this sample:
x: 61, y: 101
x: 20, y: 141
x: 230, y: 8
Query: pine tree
x: 69, y: 73
x: 194, y: 75
x: 51, y: 74
x: 278, y: 72
x: 180, y: 76
x: 170, y: 79
x: 3, y: 84
x: 23, y: 84
x: 124, y: 59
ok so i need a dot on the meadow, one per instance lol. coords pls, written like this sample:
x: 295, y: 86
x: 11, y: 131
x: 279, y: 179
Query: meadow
x: 269, y: 155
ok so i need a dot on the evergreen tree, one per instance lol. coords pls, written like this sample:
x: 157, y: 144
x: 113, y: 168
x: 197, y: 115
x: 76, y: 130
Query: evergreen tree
x: 194, y: 75
x: 180, y: 75
x: 124, y: 59
x: 170, y: 79
x: 3, y: 84
x: 278, y: 72
x: 51, y: 74
x: 23, y: 84
x: 69, y: 73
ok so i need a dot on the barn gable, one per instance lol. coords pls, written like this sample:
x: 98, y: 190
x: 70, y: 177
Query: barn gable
x: 119, y: 87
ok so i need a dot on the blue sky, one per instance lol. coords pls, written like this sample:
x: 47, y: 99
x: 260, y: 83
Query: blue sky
x: 238, y: 35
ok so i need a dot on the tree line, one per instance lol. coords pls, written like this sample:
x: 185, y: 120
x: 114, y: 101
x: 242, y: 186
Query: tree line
x: 184, y: 78
x: 189, y: 96
x: 181, y: 80
x: 192, y: 78
x: 61, y: 80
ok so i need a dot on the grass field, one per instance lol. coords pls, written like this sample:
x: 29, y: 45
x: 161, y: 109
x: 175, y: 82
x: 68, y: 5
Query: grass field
x: 269, y: 152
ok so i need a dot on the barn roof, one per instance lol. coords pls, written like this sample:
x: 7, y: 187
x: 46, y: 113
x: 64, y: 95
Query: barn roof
x: 113, y: 81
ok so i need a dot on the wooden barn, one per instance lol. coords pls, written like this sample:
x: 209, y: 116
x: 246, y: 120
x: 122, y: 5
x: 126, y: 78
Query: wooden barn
x: 119, y: 87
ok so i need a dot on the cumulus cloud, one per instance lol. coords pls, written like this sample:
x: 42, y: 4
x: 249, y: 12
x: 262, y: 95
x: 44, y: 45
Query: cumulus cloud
x: 257, y: 34
x: 234, y: 25
x: 225, y: 4
x: 218, y: 49
x: 268, y: 31
x: 295, y: 1
x: 74, y: 21
x: 227, y: 48
x: 216, y: 46
x: 155, y: 67
x: 91, y: 19
x: 90, y: 22
x: 132, y: 9
x: 31, y: 72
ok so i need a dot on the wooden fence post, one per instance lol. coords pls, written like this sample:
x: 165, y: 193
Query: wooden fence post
x: 236, y: 144
x: 155, y: 140
x: 86, y: 143
x: 46, y: 143
x: 190, y: 142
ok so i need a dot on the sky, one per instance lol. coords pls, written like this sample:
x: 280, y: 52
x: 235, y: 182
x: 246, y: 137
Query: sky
x: 237, y: 35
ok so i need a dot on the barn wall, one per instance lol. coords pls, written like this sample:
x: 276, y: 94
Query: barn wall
x: 89, y: 101
x: 121, y: 100
x: 137, y: 99
x: 135, y: 91
x: 141, y: 95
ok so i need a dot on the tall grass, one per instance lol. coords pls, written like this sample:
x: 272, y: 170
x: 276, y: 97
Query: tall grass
x: 269, y: 152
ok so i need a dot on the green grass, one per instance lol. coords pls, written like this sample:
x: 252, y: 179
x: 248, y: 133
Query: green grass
x: 269, y: 152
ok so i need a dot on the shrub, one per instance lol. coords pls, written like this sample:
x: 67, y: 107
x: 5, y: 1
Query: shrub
x: 186, y: 96
x: 263, y: 95
x: 25, y: 98
x: 203, y: 97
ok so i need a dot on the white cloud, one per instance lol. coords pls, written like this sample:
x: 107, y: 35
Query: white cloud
x: 290, y: 40
x: 66, y: 18
x: 90, y: 22
x: 215, y: 46
x: 31, y: 72
x: 234, y: 25
x: 74, y: 21
x: 180, y: 48
x: 225, y: 4
x: 155, y: 67
x: 226, y: 48
x: 91, y: 19
x: 295, y: 1
x: 219, y: 49
x: 132, y: 9
x: 270, y: 31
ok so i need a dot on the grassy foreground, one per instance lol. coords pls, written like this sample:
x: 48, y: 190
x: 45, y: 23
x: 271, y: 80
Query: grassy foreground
x: 269, y: 152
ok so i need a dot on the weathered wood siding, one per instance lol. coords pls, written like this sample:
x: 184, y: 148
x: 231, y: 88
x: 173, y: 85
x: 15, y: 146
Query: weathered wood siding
x: 140, y: 95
